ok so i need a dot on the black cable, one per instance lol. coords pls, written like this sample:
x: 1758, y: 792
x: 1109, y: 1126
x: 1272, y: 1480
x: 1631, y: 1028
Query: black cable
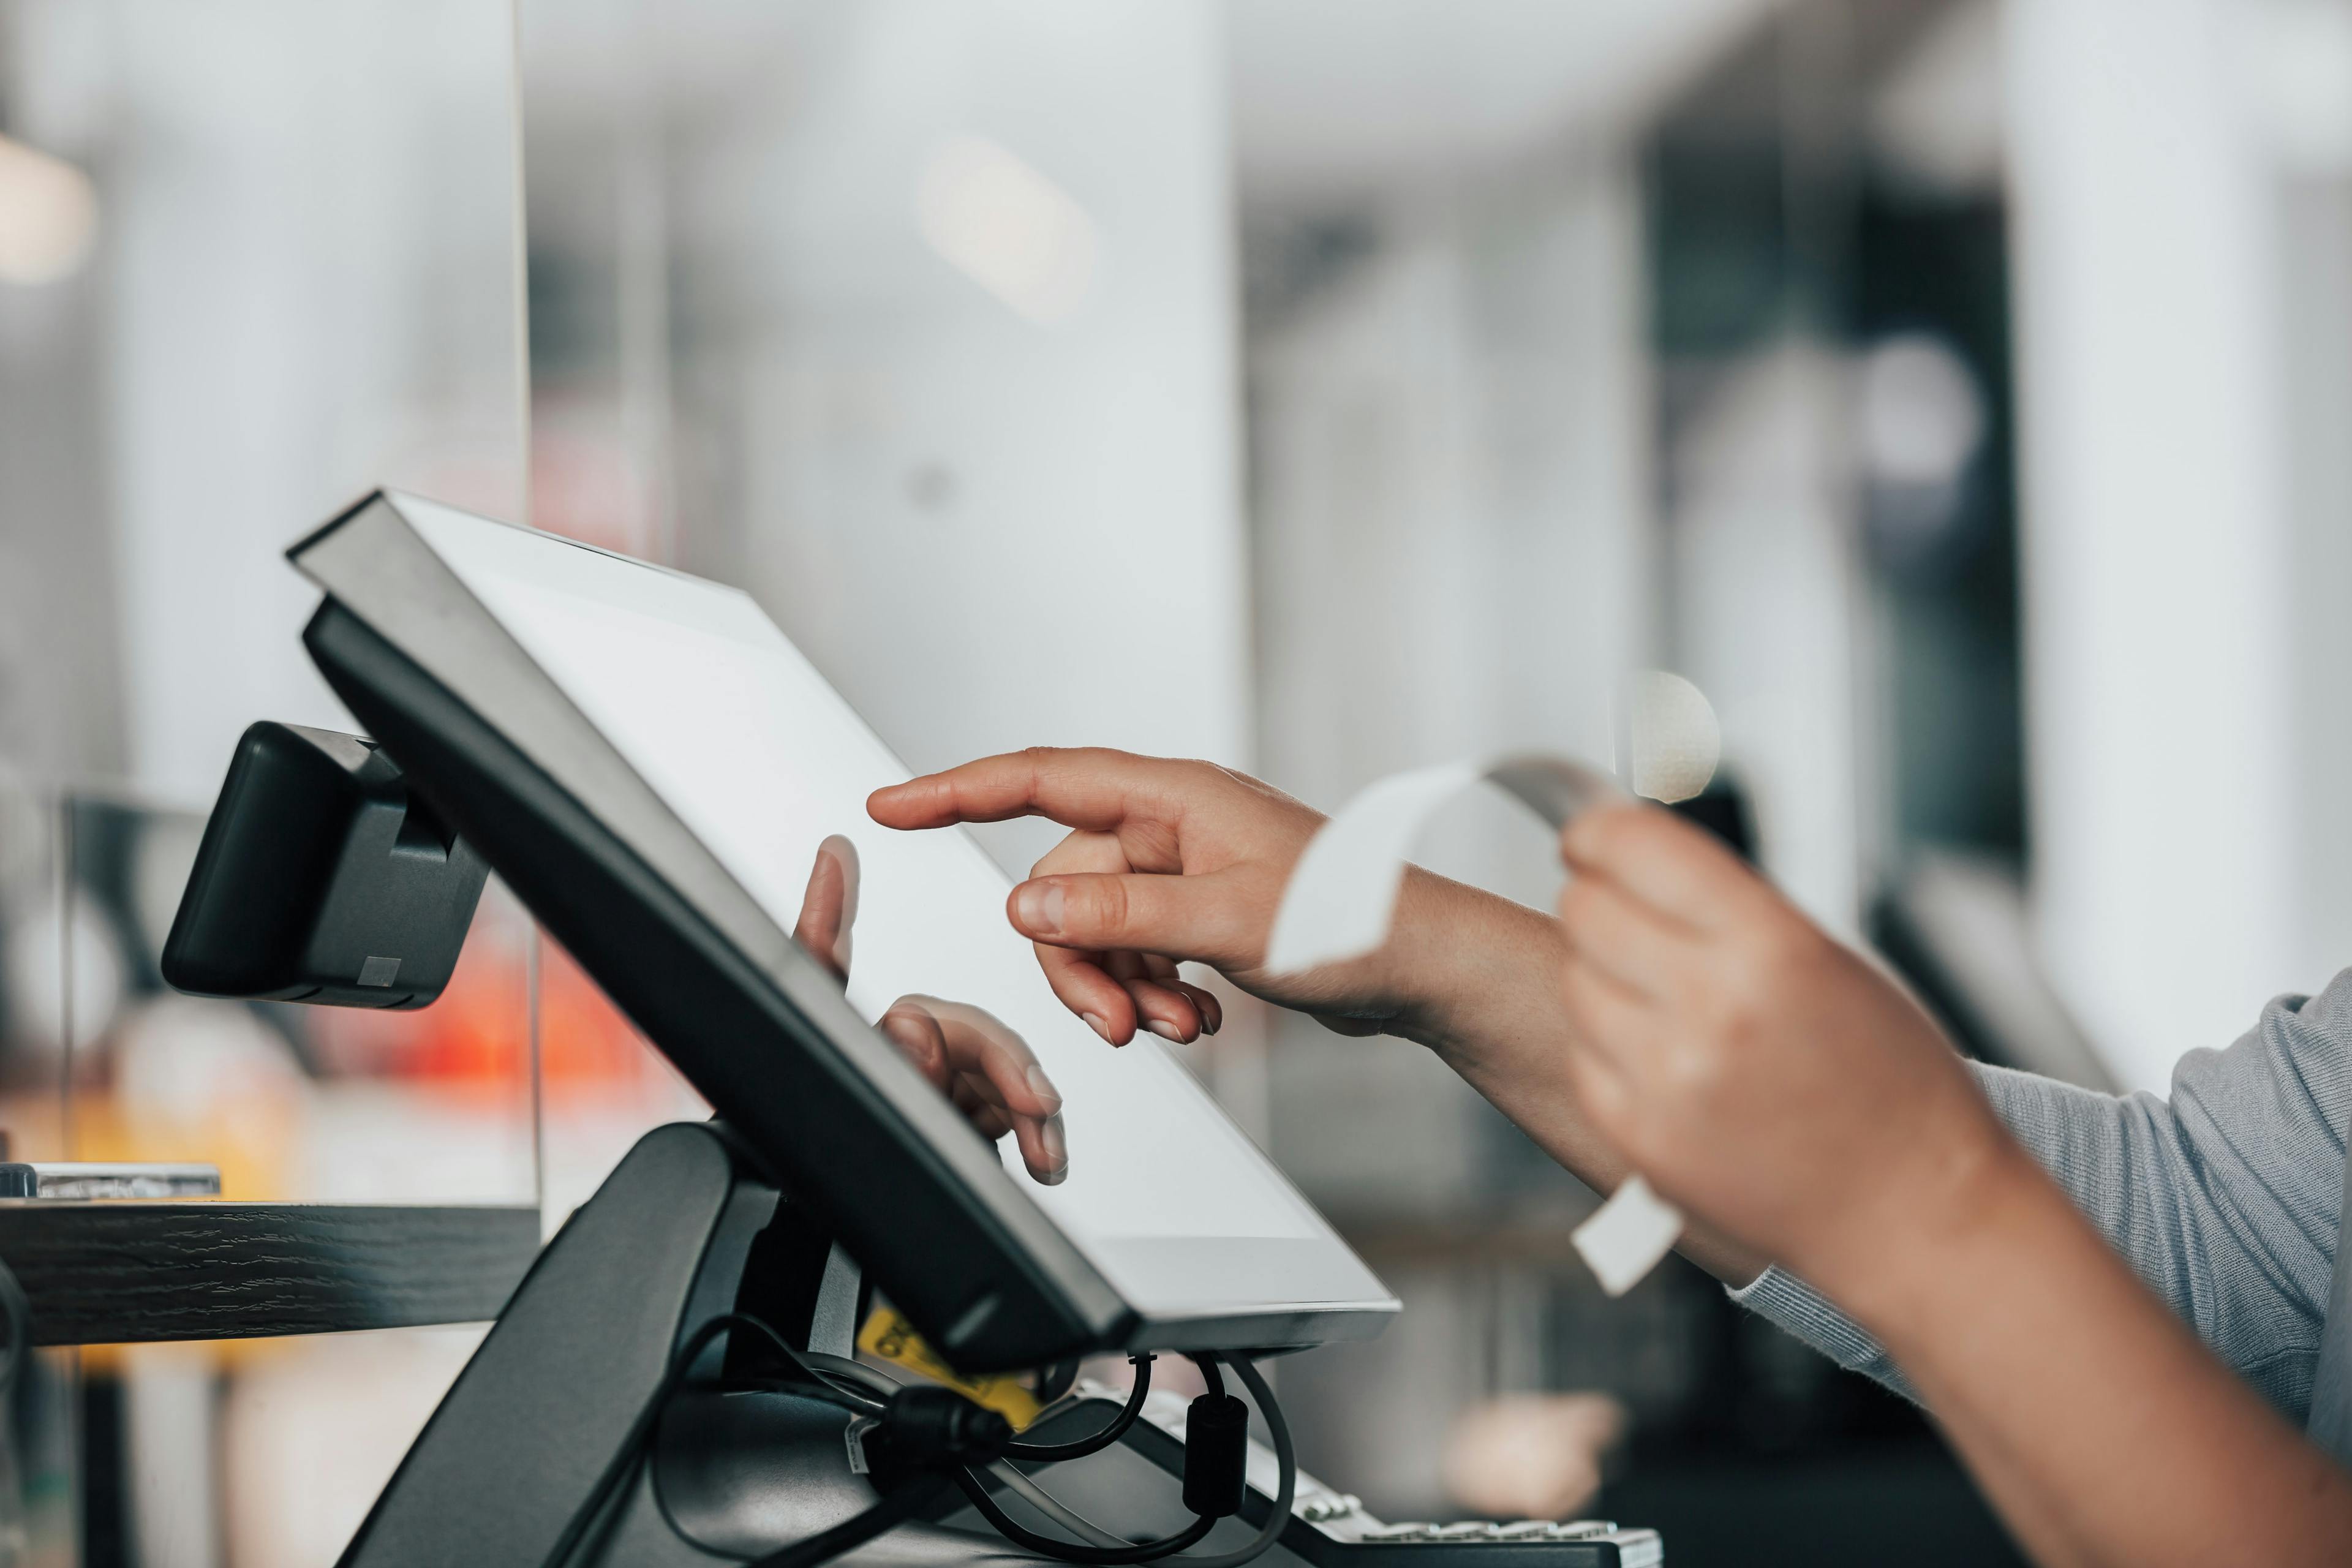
x: 834, y: 1384
x: 896, y: 1508
x: 1094, y: 1443
x: 1207, y: 1362
x: 1285, y: 1456
x: 1278, y: 1513
x: 860, y: 1387
x: 840, y: 1370
x: 632, y: 1444
x: 1021, y: 1535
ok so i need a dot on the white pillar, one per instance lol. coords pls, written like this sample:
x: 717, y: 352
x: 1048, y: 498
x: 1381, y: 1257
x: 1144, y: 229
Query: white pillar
x: 2155, y: 552
x: 1451, y: 502
x: 1766, y: 615
x: 308, y: 259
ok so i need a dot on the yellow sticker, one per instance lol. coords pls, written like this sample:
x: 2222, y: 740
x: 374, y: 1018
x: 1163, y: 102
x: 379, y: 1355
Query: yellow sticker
x: 893, y: 1339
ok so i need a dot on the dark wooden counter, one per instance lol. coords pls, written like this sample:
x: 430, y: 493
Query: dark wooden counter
x: 109, y: 1272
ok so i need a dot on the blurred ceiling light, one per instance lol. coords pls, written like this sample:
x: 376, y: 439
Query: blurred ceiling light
x: 1673, y: 741
x: 49, y: 216
x: 1922, y: 417
x: 2296, y: 76
x: 1920, y: 422
x: 1007, y: 227
x: 1936, y: 125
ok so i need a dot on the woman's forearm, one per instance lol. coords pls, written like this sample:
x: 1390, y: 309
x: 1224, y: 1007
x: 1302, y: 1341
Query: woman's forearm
x: 2094, y: 1418
x: 1477, y: 978
x: 2089, y: 1413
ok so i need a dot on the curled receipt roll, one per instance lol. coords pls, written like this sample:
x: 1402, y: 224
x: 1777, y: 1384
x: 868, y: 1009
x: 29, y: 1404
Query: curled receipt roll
x: 1342, y: 896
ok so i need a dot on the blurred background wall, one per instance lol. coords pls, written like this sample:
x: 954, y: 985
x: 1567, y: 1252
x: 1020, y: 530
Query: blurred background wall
x: 1956, y: 391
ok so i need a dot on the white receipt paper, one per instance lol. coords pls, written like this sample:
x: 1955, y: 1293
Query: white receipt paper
x: 1342, y: 896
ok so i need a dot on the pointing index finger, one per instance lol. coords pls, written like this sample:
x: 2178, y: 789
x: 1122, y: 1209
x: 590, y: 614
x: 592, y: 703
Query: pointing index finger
x: 1089, y: 788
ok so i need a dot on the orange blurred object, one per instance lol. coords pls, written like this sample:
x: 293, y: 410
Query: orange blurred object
x: 477, y: 1033
x: 583, y: 1039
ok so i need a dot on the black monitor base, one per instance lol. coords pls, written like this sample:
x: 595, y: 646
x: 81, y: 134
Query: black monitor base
x: 684, y: 1230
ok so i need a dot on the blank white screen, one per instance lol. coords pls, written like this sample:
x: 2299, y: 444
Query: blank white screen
x: 741, y: 738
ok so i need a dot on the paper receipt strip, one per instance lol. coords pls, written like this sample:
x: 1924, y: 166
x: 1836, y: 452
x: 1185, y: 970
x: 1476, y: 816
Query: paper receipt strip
x: 1342, y: 898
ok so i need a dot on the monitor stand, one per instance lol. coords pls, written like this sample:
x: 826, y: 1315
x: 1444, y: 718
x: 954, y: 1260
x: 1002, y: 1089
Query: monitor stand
x: 685, y: 1229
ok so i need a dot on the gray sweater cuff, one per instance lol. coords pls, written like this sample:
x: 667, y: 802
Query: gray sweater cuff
x: 1783, y: 1299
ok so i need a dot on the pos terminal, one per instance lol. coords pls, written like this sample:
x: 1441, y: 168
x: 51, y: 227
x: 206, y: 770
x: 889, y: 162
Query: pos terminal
x: 650, y: 765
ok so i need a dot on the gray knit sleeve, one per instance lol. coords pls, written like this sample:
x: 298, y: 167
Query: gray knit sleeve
x: 2224, y: 1197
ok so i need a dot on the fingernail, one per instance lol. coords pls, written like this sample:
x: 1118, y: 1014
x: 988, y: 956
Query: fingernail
x: 1040, y: 904
x: 1100, y: 1026
x: 1057, y: 1152
x: 1043, y: 1088
x: 1166, y: 1031
x: 1213, y: 1019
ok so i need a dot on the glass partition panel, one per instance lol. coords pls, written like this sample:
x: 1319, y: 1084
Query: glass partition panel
x: 256, y: 257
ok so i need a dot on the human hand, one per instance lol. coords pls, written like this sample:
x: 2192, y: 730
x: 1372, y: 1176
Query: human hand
x: 1169, y: 862
x: 986, y: 1069
x: 1756, y: 1070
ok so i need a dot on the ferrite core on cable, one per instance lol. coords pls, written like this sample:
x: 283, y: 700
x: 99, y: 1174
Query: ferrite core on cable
x: 1216, y: 1455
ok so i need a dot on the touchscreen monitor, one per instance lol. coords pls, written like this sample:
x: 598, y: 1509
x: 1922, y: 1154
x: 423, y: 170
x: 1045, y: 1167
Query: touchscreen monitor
x: 688, y: 725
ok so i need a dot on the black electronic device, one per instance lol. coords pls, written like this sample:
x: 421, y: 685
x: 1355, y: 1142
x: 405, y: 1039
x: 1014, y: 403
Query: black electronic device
x: 321, y: 879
